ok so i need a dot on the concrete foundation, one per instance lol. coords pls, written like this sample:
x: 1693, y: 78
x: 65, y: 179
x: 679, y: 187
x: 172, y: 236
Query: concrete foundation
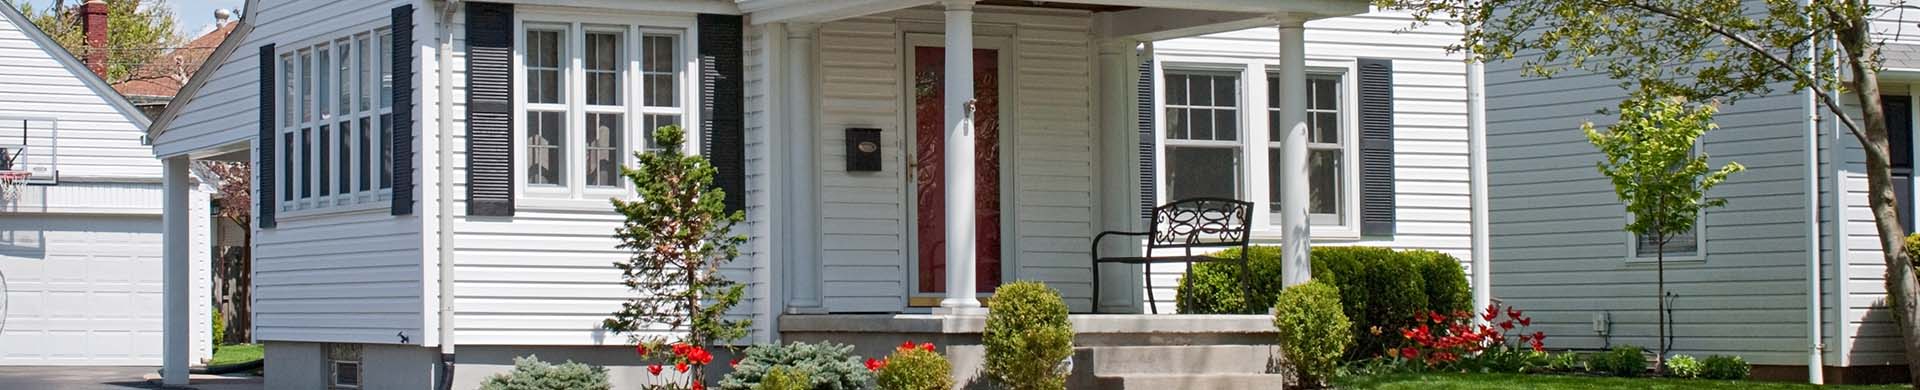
x: 1111, y: 351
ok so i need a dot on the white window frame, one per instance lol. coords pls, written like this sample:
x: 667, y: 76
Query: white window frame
x: 573, y: 193
x: 1252, y: 174
x: 1345, y: 224
x: 1699, y: 241
x: 1241, y: 189
x: 303, y: 110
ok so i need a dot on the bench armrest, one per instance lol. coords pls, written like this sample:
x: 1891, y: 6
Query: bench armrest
x: 1096, y: 238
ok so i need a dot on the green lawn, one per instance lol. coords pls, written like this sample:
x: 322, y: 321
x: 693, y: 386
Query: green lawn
x: 236, y: 353
x: 1562, y: 382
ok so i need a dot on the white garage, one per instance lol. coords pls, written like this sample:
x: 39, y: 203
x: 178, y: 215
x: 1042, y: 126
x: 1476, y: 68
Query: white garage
x: 80, y: 247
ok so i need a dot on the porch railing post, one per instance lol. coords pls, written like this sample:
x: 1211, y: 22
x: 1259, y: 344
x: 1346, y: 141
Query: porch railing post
x: 1296, y: 229
x: 959, y: 159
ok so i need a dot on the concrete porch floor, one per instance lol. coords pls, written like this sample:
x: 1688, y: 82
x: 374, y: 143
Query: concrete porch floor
x: 1111, y: 351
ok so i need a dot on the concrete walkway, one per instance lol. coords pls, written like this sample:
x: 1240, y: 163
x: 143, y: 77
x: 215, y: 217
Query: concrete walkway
x: 110, y: 378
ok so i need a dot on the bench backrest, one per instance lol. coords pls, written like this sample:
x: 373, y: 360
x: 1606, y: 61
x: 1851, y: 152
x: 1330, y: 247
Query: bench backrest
x: 1200, y: 222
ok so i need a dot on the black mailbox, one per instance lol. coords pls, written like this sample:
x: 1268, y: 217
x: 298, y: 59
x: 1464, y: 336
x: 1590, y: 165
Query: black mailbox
x: 863, y: 150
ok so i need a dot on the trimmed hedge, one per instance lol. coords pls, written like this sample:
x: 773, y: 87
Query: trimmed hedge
x: 1313, y: 330
x: 1379, y: 287
x: 1027, y: 337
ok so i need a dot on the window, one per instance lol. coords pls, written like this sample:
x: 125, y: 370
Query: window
x: 335, y: 138
x: 1683, y: 245
x: 1202, y: 135
x: 1327, y: 141
x: 586, y: 90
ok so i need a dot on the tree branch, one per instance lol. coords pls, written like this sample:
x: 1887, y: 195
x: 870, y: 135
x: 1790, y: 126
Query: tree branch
x: 1825, y: 96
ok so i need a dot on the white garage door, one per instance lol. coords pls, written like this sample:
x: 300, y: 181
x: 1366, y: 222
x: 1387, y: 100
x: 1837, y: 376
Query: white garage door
x: 80, y: 290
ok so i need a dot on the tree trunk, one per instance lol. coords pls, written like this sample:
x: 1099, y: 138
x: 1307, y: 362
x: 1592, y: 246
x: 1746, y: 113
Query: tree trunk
x: 1901, y: 286
x: 1660, y: 278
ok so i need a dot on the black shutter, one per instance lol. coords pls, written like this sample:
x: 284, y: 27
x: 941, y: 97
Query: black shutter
x: 1376, y: 147
x: 1149, y: 142
x: 263, y: 150
x: 490, y: 109
x: 402, y: 30
x: 721, y: 98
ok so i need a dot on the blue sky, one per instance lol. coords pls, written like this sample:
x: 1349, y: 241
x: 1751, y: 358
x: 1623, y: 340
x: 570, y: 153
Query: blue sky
x: 196, y: 16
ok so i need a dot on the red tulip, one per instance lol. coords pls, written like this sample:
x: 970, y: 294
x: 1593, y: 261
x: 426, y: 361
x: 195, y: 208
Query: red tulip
x: 680, y: 366
x: 1526, y: 321
x: 1409, y: 353
x: 733, y: 363
x: 906, y: 345
x: 1539, y: 335
x: 655, y: 369
x: 1513, y: 312
x: 680, y: 349
x: 1537, y: 346
x: 699, y: 386
x: 926, y: 347
x: 1506, y: 325
x: 641, y: 350
x: 875, y: 364
x: 1436, y: 317
x: 1492, y: 311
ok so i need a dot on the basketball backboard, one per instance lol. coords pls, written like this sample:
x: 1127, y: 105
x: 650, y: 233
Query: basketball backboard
x: 31, y: 145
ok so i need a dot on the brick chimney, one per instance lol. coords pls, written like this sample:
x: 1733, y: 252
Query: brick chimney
x: 93, y: 23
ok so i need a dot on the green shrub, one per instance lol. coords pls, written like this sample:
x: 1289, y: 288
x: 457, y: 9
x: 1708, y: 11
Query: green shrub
x: 1027, y: 337
x: 529, y: 373
x: 1683, y: 366
x: 829, y: 366
x: 915, y: 369
x: 1446, y: 283
x: 1379, y: 287
x: 1623, y: 360
x: 784, y: 378
x: 1725, y: 368
x: 1314, y: 333
x: 1565, y: 362
x: 219, y: 329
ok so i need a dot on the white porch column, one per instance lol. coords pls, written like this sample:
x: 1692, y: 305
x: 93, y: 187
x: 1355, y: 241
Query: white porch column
x: 804, y: 260
x: 1119, y: 158
x: 176, y: 230
x: 1297, y: 232
x: 959, y: 159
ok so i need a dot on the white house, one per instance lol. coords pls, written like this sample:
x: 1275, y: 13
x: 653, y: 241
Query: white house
x: 80, y: 241
x: 433, y: 176
x: 1788, y: 275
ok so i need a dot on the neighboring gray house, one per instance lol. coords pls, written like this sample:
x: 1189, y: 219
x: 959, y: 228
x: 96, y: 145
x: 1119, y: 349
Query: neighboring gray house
x: 1743, y: 282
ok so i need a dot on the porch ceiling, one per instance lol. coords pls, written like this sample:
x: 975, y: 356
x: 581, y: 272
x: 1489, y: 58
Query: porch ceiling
x: 771, y: 11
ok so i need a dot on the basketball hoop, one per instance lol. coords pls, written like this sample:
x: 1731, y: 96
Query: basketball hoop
x: 11, y: 182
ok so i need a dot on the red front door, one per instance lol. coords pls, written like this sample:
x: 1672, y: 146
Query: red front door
x: 929, y: 176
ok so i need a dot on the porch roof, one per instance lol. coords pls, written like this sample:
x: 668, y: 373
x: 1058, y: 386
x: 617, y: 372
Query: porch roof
x: 1136, y: 19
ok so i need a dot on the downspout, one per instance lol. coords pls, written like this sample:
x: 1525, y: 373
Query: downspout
x: 445, y: 120
x: 1477, y: 181
x: 1815, y: 342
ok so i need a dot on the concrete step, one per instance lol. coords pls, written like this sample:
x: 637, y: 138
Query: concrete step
x: 1191, y: 381
x: 1191, y: 359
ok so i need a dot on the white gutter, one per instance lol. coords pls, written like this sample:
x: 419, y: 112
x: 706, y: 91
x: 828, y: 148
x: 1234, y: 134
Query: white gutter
x: 1815, y: 344
x: 445, y: 204
x: 1477, y: 182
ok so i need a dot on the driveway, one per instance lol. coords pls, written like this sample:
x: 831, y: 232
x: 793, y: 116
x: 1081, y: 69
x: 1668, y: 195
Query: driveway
x: 108, y: 378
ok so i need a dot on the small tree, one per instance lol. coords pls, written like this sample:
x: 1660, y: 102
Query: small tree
x: 680, y: 234
x: 1658, y: 172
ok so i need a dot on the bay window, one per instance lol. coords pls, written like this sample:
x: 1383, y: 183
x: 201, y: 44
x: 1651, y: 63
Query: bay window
x: 334, y: 139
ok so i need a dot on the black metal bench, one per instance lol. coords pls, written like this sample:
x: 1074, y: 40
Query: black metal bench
x: 1186, y: 224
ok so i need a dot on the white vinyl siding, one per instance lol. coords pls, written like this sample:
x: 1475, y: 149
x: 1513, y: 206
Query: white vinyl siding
x: 1430, y: 137
x: 546, y: 275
